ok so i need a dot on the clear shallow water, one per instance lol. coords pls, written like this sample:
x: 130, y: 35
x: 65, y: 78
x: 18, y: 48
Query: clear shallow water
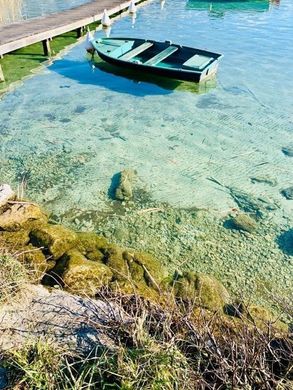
x: 176, y: 140
x: 16, y: 10
x: 68, y: 130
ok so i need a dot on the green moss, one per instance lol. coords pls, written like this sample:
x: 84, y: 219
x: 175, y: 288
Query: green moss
x: 20, y: 63
x: 201, y: 289
x: 82, y: 276
x: 54, y: 238
x: 92, y: 245
x: 14, y: 240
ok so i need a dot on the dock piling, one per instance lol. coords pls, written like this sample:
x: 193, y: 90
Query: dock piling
x: 46, y: 47
x: 2, y: 78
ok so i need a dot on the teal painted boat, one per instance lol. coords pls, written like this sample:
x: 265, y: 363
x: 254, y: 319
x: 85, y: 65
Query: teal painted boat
x: 160, y: 58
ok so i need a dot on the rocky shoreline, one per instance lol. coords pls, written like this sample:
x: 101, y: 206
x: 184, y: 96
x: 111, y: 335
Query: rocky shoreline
x: 84, y: 263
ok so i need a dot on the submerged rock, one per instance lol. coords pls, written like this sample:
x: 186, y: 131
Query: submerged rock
x: 124, y: 191
x: 243, y: 222
x: 288, y: 151
x: 22, y: 216
x: 201, y: 289
x: 54, y: 238
x: 288, y: 193
x: 6, y: 195
x: 265, y: 179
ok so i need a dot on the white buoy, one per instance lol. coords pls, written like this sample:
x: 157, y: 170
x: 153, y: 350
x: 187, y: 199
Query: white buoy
x: 107, y: 31
x: 162, y: 4
x: 88, y: 43
x: 132, y: 7
x: 133, y: 19
x: 106, y: 21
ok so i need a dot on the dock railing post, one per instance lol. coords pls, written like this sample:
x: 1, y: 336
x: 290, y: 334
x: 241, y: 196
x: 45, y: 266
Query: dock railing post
x: 46, y: 48
x: 2, y: 78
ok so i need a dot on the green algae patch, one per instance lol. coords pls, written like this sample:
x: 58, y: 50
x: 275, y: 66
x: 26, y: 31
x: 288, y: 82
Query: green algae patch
x: 22, y: 62
x: 54, y: 238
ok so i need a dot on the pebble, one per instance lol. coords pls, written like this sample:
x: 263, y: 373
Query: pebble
x: 288, y: 151
x: 288, y: 193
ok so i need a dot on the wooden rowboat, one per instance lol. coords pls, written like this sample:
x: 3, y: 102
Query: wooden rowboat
x: 161, y: 58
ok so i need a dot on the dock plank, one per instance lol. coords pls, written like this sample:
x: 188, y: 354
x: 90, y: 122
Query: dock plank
x: 21, y: 34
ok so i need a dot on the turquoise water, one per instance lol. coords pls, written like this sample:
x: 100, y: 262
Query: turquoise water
x: 28, y: 9
x: 67, y: 131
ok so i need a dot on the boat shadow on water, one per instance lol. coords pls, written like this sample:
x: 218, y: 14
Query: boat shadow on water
x: 99, y: 73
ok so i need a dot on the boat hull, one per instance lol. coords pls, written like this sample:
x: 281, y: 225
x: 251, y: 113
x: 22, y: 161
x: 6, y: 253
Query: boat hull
x: 164, y: 72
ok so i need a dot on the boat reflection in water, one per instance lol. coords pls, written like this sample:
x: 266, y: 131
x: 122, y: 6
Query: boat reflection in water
x: 220, y: 6
x: 162, y: 82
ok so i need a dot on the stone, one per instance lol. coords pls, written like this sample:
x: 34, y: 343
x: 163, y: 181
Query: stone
x: 288, y: 193
x: 6, y: 195
x: 75, y: 323
x: 83, y: 276
x: 244, y: 222
x: 265, y: 179
x: 92, y: 246
x: 54, y: 238
x: 262, y: 318
x: 22, y: 216
x: 124, y: 189
x: 202, y: 290
x: 288, y: 151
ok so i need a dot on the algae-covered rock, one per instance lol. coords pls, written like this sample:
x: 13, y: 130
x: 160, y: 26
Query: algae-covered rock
x: 243, y: 222
x: 124, y: 190
x: 22, y: 216
x: 14, y: 240
x: 203, y: 290
x: 54, y: 238
x: 152, y: 270
x: 262, y: 317
x: 6, y: 195
x: 92, y: 245
x: 82, y: 276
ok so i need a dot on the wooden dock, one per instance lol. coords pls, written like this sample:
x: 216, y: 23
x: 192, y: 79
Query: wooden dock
x: 18, y: 35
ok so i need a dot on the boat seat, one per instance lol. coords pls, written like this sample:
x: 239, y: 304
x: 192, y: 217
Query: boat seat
x: 132, y: 53
x: 161, y: 56
x: 197, y: 62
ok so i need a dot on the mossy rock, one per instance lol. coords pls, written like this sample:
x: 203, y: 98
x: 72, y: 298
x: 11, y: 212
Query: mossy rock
x: 263, y: 318
x: 22, y: 216
x: 244, y: 222
x: 14, y: 240
x: 35, y: 261
x: 92, y: 246
x: 54, y: 238
x: 202, y: 290
x: 83, y: 276
x: 152, y: 270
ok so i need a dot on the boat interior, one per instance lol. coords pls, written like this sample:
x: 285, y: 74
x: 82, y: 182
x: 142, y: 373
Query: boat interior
x: 159, y: 54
